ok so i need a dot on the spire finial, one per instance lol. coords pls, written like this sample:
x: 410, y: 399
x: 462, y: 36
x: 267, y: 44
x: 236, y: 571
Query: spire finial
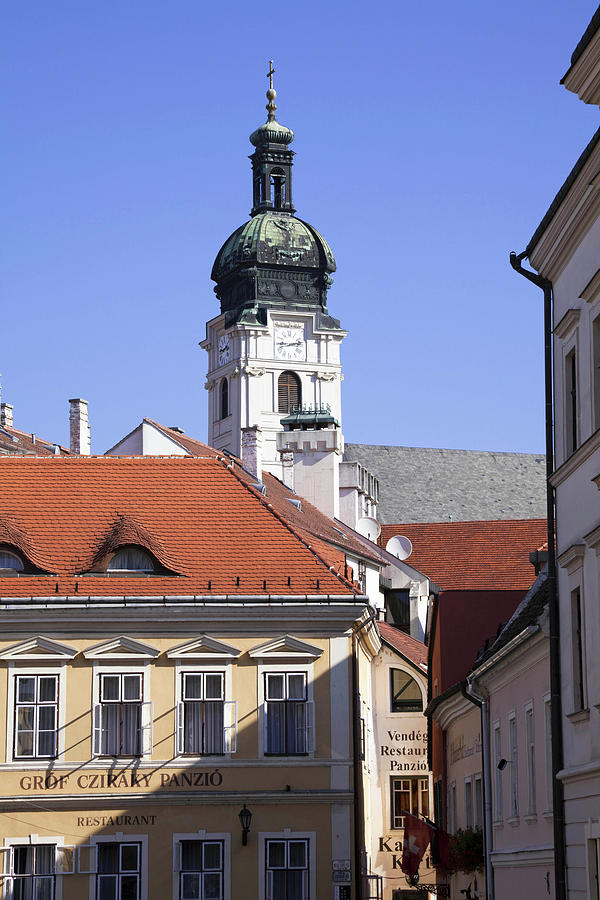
x: 271, y: 93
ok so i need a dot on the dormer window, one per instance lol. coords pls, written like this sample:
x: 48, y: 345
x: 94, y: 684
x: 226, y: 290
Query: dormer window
x: 131, y: 560
x: 10, y: 563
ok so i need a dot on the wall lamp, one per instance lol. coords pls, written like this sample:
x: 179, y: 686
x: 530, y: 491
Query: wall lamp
x: 245, y: 818
x: 502, y: 764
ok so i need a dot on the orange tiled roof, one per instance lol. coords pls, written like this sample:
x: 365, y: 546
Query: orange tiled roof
x: 22, y: 443
x: 474, y: 556
x: 309, y: 521
x: 209, y: 524
x: 408, y: 646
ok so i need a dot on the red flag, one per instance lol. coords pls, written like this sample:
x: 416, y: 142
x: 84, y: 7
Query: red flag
x: 416, y: 839
x: 440, y: 848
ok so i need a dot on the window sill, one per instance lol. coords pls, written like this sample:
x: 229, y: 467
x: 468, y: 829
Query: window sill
x: 513, y: 821
x: 531, y: 817
x: 547, y: 814
x: 579, y: 715
x: 498, y: 824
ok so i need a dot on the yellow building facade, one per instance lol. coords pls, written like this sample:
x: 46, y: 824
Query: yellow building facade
x: 137, y: 727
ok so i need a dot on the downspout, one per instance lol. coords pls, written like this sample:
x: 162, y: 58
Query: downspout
x: 359, y: 811
x: 553, y: 607
x: 481, y: 700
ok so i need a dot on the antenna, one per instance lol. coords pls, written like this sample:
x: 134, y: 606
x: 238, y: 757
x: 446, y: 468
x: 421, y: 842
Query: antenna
x: 369, y: 528
x: 400, y: 546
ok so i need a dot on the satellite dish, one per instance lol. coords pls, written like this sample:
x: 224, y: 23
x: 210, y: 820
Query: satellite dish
x: 399, y: 546
x: 369, y: 528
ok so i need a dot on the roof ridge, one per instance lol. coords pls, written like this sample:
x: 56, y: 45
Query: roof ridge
x: 444, y: 449
x: 269, y: 506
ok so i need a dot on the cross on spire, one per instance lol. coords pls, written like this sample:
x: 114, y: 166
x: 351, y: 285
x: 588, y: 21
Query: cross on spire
x: 270, y: 74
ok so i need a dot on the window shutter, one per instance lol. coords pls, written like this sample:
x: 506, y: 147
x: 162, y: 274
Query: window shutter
x: 179, y: 739
x: 147, y: 727
x: 6, y: 861
x: 269, y: 885
x: 266, y: 742
x: 230, y: 726
x: 305, y: 887
x: 64, y: 860
x: 288, y: 392
x: 87, y: 859
x: 310, y: 726
x: 97, y: 739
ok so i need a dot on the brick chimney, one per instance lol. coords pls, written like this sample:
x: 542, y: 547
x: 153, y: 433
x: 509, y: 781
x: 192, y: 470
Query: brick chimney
x: 79, y: 428
x: 6, y: 414
x: 252, y: 451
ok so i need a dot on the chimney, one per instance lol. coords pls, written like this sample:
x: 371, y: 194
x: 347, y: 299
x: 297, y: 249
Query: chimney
x: 252, y: 451
x: 287, y: 464
x: 79, y: 429
x: 6, y: 414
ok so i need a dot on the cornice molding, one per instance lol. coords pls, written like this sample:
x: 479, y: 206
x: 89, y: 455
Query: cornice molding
x: 121, y: 647
x: 203, y: 647
x: 572, y: 219
x: 451, y: 709
x: 286, y: 647
x: 583, y: 78
x: 576, y: 459
x: 572, y: 559
x: 567, y: 323
x: 592, y: 288
x: 592, y: 539
x: 38, y: 648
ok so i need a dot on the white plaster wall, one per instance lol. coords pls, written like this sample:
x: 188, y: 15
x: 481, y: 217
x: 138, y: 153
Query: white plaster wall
x: 146, y: 440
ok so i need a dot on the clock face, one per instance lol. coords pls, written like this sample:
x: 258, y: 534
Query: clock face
x: 224, y: 349
x: 289, y: 343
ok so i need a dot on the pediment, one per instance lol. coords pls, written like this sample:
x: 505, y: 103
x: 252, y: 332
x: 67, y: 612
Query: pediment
x: 121, y: 647
x: 286, y: 647
x: 39, y: 648
x: 203, y: 647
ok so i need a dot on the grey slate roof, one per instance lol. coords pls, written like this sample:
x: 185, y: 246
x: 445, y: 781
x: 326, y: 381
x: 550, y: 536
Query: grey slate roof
x: 428, y: 485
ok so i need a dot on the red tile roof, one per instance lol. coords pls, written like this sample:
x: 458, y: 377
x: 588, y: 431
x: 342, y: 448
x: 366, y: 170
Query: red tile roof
x: 207, y: 524
x: 408, y: 646
x: 475, y: 556
x: 22, y: 443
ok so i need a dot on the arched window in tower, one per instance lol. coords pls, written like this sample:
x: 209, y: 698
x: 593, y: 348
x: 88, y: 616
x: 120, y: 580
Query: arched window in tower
x: 277, y: 188
x: 289, y: 393
x: 224, y: 398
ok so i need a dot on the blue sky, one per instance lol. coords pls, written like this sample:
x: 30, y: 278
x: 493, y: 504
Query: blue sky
x: 430, y: 140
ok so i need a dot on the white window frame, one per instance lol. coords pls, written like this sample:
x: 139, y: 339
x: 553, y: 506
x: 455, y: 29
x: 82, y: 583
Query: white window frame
x: 578, y: 653
x: 468, y: 796
x: 548, y: 752
x: 273, y: 668
x: 530, y: 743
x: 571, y: 345
x: 407, y: 671
x: 118, y: 838
x: 452, y: 811
x: 592, y: 858
x: 513, y: 747
x: 498, y: 781
x: 478, y: 811
x: 33, y: 840
x: 42, y: 668
x: 202, y: 835
x: 287, y: 835
x: 223, y: 667
x: 117, y: 668
x: 418, y: 779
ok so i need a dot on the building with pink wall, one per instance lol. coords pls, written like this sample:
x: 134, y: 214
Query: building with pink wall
x: 513, y: 677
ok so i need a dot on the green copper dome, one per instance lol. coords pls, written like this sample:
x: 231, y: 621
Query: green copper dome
x: 273, y: 239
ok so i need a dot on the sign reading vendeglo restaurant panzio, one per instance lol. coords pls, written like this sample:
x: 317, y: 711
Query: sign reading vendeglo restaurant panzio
x: 405, y: 750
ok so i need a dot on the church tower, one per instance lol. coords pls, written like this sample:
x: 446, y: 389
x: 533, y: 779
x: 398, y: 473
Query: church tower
x: 274, y: 350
